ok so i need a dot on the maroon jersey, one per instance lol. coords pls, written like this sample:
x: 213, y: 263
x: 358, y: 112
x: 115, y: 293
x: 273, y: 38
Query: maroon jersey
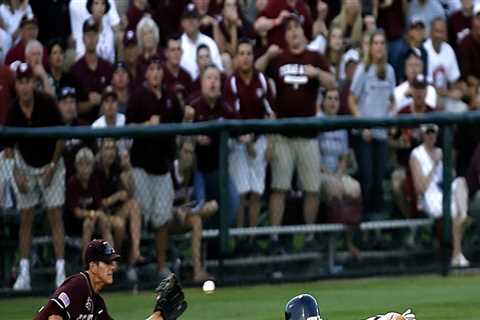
x: 154, y: 155
x: 7, y: 88
x: 272, y: 11
x: 468, y: 54
x: 87, y: 80
x: 458, y: 28
x: 207, y: 156
x: 180, y: 84
x: 75, y: 300
x: 251, y: 100
x: 296, y: 93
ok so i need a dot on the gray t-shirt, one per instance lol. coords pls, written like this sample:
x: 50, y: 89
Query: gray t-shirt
x: 333, y: 145
x: 373, y: 94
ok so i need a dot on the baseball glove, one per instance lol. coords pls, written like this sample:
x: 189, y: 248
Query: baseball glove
x: 170, y: 298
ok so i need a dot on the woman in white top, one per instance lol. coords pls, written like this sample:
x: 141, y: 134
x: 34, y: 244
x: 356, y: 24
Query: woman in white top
x: 427, y: 173
x: 11, y: 13
x: 106, y: 37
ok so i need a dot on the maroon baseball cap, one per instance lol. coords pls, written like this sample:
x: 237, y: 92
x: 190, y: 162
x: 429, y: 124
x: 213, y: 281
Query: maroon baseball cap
x: 90, y: 25
x: 155, y: 59
x: 190, y: 12
x: 100, y: 250
x: 129, y: 38
x: 109, y: 92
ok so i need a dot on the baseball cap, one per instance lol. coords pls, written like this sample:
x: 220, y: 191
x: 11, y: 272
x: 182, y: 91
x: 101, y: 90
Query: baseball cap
x: 293, y: 16
x: 90, y: 25
x: 351, y: 55
x: 416, y: 22
x: 129, y: 38
x: 429, y: 127
x: 109, y: 92
x: 67, y: 92
x: 28, y: 18
x: 119, y: 65
x: 100, y: 250
x: 419, y: 82
x: 190, y: 11
x: 21, y: 69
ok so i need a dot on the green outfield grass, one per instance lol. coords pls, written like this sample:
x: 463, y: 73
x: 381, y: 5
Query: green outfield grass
x: 431, y: 297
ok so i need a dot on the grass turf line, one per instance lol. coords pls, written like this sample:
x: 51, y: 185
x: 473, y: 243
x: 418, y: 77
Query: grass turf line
x: 431, y: 297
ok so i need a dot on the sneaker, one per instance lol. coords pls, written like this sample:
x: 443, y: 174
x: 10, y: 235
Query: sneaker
x: 59, y: 278
x: 132, y: 275
x: 22, y: 283
x: 459, y: 261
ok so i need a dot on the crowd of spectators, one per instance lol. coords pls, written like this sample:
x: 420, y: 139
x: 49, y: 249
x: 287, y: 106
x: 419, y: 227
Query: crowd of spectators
x: 106, y: 63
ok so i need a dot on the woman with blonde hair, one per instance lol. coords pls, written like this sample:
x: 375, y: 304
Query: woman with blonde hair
x: 371, y: 95
x: 335, y: 49
x: 350, y: 21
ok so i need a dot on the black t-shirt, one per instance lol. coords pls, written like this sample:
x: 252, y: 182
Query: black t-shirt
x: 36, y: 152
x: 75, y: 299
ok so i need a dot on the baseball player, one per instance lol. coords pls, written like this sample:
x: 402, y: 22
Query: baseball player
x: 305, y: 307
x: 78, y: 296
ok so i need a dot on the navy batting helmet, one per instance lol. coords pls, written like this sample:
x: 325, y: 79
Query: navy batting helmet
x: 302, y: 307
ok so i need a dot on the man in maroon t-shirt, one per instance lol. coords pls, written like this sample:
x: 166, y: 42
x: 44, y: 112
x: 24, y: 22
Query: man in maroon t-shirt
x: 176, y: 79
x: 39, y: 172
x: 28, y: 31
x: 249, y: 92
x: 210, y: 105
x: 298, y: 73
x: 469, y: 52
x: 152, y: 158
x: 459, y: 23
x: 271, y: 20
x: 91, y: 74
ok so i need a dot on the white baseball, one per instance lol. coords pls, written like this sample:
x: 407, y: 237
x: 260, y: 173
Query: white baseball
x: 208, y: 286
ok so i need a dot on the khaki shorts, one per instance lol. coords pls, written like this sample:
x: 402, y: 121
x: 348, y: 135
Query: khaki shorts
x: 52, y: 196
x: 155, y: 194
x: 300, y: 154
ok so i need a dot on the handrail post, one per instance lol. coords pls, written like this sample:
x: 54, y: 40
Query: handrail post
x: 224, y: 198
x: 447, y: 198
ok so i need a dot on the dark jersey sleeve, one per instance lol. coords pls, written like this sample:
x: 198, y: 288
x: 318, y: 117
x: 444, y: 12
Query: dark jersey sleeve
x: 68, y: 300
x: 101, y: 312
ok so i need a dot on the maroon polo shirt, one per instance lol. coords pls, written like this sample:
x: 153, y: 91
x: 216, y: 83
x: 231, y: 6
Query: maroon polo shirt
x: 75, y: 299
x: 17, y: 52
x: 7, y: 87
x: 39, y: 152
x: 87, y: 80
x: 207, y: 156
x: 296, y: 93
x: 248, y: 99
x: 78, y: 197
x: 272, y: 11
x: 468, y: 56
x: 154, y: 155
x: 179, y: 84
x: 391, y: 21
x: 458, y: 27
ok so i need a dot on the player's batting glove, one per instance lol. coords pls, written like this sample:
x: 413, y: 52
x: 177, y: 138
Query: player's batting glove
x: 170, y: 298
x: 408, y: 315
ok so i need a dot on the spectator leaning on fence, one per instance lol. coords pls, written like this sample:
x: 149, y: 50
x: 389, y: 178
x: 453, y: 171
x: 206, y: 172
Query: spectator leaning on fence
x: 298, y: 74
x: 152, y: 158
x: 427, y: 173
x: 249, y: 92
x: 39, y: 171
x: 371, y: 95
